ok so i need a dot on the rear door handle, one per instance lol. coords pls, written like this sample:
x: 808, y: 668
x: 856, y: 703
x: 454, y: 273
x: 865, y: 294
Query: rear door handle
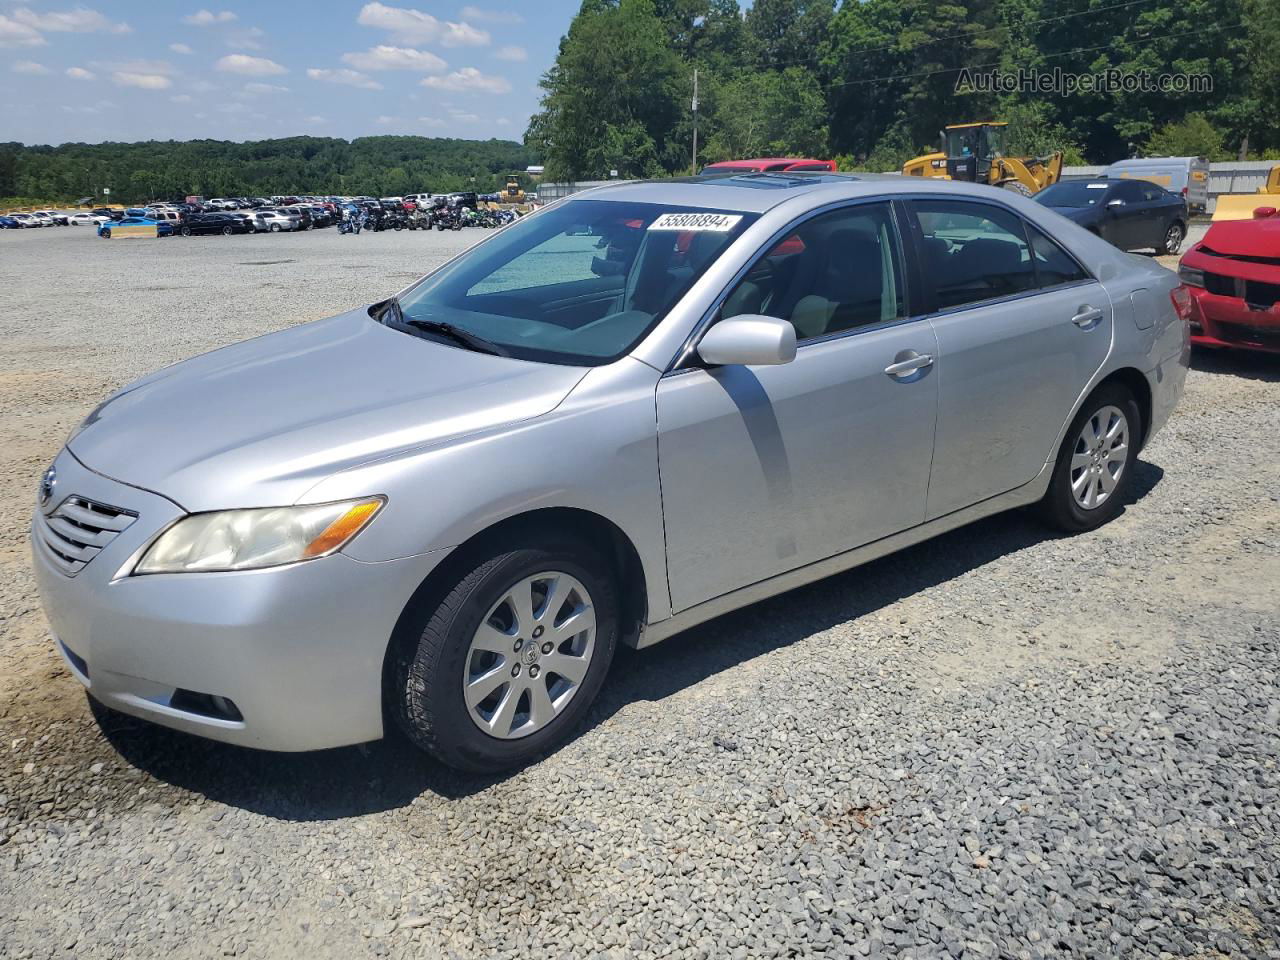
x: 907, y: 363
x: 1087, y: 317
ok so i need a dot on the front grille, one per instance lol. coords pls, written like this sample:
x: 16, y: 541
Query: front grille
x: 1253, y: 292
x: 1240, y: 258
x: 78, y: 530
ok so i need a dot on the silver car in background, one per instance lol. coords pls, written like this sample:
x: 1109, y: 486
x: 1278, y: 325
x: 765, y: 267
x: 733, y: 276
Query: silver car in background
x: 637, y: 409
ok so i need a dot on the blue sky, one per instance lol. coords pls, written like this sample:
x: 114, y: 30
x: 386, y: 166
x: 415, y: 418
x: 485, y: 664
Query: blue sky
x: 158, y: 69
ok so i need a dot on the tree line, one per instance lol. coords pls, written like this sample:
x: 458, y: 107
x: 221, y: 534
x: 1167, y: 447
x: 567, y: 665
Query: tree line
x: 871, y: 82
x: 368, y: 166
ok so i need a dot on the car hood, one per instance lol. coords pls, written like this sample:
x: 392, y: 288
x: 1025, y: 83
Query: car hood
x: 1245, y: 238
x: 261, y: 422
x: 1074, y: 213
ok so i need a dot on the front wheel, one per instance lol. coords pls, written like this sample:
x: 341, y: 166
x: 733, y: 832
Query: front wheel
x: 509, y: 661
x: 1095, y: 462
x: 106, y: 234
x: 185, y: 231
x: 227, y: 231
x: 275, y: 228
x: 1172, y: 240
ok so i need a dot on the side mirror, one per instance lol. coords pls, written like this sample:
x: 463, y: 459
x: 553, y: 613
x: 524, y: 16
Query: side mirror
x: 749, y: 339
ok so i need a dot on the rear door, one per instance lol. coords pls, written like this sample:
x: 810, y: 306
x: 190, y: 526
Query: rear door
x: 1021, y: 328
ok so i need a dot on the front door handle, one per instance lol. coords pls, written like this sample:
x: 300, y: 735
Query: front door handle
x: 1087, y: 317
x: 908, y: 362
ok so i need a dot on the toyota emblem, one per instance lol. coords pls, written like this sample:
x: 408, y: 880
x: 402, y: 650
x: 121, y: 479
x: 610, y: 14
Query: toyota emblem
x: 47, y: 483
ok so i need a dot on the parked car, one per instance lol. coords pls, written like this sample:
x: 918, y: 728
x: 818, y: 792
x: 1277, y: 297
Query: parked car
x: 1187, y: 177
x: 85, y: 219
x: 303, y: 213
x: 1234, y: 278
x: 274, y: 221
x: 205, y: 223
x: 163, y: 228
x: 9, y: 223
x: 1131, y: 214
x: 771, y: 165
x: 108, y: 213
x: 54, y: 217
x: 28, y: 221
x: 753, y: 383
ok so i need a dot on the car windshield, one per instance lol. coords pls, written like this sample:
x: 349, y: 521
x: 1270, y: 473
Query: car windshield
x: 579, y: 283
x: 1078, y: 193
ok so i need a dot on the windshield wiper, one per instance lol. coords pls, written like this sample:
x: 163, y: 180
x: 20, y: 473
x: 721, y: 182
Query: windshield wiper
x: 467, y: 339
x: 459, y: 336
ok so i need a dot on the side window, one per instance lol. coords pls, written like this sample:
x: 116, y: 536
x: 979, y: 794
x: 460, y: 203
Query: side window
x: 838, y: 271
x: 1054, y: 266
x: 1130, y: 191
x: 973, y: 251
x: 1151, y: 192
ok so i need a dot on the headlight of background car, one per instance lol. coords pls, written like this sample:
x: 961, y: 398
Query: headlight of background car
x: 249, y: 539
x: 1191, y: 276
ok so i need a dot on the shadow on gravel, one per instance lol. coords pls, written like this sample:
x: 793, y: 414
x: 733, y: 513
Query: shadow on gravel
x: 331, y: 784
x: 1249, y: 364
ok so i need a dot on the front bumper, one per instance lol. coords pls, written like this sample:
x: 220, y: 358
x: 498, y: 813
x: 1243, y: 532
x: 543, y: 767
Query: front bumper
x: 298, y: 649
x: 1230, y: 322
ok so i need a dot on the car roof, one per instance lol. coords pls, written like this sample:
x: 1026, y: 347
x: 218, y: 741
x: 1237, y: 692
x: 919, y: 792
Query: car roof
x: 760, y: 192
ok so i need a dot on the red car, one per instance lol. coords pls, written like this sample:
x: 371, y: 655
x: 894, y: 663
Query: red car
x: 772, y: 165
x: 1234, y: 278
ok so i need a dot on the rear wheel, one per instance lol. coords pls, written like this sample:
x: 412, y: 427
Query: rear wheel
x: 509, y: 661
x: 185, y: 231
x: 227, y: 231
x: 1095, y: 462
x: 275, y: 228
x: 1173, y: 238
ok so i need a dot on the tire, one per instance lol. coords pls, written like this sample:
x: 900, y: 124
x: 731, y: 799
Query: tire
x: 1017, y: 187
x: 106, y: 234
x: 185, y: 231
x: 227, y: 230
x: 434, y: 656
x: 1173, y: 238
x: 275, y: 228
x: 1065, y: 504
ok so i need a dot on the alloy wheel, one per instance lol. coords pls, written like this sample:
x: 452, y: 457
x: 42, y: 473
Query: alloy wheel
x: 1173, y: 239
x: 530, y: 655
x: 1100, y: 457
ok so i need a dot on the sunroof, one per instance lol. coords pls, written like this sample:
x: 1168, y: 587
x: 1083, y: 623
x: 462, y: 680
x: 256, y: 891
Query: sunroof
x: 769, y: 181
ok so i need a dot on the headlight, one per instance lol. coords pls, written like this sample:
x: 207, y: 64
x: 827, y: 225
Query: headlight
x: 249, y: 539
x: 1191, y: 276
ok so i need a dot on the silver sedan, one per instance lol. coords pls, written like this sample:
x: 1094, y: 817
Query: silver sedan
x: 637, y: 409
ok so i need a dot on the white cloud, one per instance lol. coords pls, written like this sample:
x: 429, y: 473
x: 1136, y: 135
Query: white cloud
x: 181, y: 98
x: 411, y: 27
x: 513, y: 53
x: 29, y: 67
x: 349, y: 78
x: 262, y: 88
x: 79, y: 73
x: 203, y: 86
x: 246, y: 39
x: 395, y: 58
x: 490, y: 16
x: 431, y: 121
x: 249, y: 66
x: 315, y: 118
x: 503, y: 121
x: 387, y: 121
x: 180, y: 48
x: 15, y: 34
x: 79, y: 20
x: 207, y: 18
x: 147, y: 81
x: 469, y: 79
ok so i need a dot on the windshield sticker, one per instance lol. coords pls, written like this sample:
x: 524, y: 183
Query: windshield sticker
x: 697, y: 222
x: 1097, y: 186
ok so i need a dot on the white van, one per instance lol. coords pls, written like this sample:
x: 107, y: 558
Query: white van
x: 1186, y: 176
x: 164, y: 215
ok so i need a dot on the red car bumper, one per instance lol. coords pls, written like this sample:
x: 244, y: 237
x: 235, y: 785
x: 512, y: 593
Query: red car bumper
x: 1239, y: 306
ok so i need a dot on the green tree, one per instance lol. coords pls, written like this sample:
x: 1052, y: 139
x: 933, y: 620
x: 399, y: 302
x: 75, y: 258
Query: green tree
x: 1193, y: 136
x: 768, y: 114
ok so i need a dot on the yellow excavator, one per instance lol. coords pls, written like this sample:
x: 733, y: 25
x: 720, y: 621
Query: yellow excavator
x: 1240, y: 206
x: 975, y: 152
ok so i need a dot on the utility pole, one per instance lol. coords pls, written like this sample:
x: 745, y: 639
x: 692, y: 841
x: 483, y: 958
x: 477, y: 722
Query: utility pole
x: 695, y: 122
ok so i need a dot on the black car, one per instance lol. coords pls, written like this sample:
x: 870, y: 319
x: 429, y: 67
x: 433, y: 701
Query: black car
x: 1132, y: 214
x: 224, y: 223
x: 107, y: 212
x: 466, y: 198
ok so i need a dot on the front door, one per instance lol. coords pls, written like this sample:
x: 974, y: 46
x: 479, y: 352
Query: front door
x: 768, y: 468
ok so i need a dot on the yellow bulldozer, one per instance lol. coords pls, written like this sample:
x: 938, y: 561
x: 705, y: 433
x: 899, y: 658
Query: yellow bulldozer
x: 975, y: 152
x: 1240, y: 206
x: 513, y: 192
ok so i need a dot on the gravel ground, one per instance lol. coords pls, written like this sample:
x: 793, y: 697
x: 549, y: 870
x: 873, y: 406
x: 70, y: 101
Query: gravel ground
x: 1001, y: 743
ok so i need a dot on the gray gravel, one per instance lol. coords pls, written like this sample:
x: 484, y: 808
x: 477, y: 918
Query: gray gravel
x: 1000, y: 744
